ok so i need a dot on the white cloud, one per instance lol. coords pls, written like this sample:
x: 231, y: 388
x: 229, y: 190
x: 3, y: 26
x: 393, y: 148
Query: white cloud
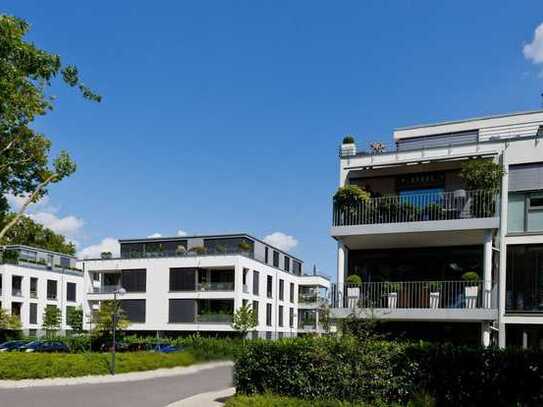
x: 68, y: 225
x: 108, y: 244
x: 17, y: 202
x: 181, y: 233
x: 155, y: 235
x: 534, y: 50
x: 281, y: 241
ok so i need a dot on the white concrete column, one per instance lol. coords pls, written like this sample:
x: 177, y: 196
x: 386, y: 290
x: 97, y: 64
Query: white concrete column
x: 503, y: 250
x: 524, y: 340
x: 487, y: 270
x: 341, y: 266
x: 317, y: 322
x: 485, y: 334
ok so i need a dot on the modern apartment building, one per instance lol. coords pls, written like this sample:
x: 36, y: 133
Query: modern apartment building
x: 422, y: 229
x: 195, y: 283
x: 33, y: 279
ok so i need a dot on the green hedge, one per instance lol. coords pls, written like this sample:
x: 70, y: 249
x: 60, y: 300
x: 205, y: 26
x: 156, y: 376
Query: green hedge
x: 350, y: 370
x: 16, y: 365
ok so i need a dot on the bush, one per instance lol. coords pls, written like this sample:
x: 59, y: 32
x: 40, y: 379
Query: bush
x: 482, y: 174
x: 350, y: 370
x: 350, y: 196
x: 354, y: 279
x: 348, y: 140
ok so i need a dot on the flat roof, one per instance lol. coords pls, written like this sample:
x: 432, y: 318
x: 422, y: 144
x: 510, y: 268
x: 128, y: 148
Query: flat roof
x: 38, y: 249
x: 489, y: 117
x: 216, y: 236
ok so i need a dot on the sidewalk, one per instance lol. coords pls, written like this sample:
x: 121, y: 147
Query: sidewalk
x: 122, y: 377
x: 211, y: 399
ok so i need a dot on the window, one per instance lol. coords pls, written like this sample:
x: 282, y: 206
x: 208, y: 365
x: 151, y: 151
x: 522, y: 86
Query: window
x: 33, y: 316
x: 16, y: 286
x: 269, y: 287
x: 71, y: 292
x: 275, y: 259
x: 297, y: 268
x: 69, y: 310
x: 96, y: 276
x: 266, y: 255
x: 268, y: 335
x: 16, y: 309
x: 65, y: 262
x: 256, y: 282
x: 255, y: 310
x: 134, y: 280
x: 525, y: 212
x: 182, y: 311
x: 281, y: 290
x: 524, y: 288
x: 33, y: 287
x: 134, y: 309
x: 268, y: 314
x: 291, y: 292
x: 280, y: 315
x: 51, y: 289
x: 182, y: 279
x: 291, y: 317
x: 287, y: 263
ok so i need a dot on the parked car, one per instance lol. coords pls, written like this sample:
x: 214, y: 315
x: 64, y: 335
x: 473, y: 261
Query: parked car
x: 44, y: 346
x: 163, y: 348
x: 11, y: 346
x: 119, y: 347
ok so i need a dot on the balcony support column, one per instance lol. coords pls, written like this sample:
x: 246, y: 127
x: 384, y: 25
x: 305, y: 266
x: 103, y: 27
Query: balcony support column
x: 485, y: 334
x: 342, y: 253
x: 487, y: 270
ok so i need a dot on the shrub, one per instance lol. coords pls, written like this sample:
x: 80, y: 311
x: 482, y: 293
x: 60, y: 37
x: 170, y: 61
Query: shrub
x: 348, y: 140
x: 354, y: 279
x: 350, y: 196
x: 350, y: 370
x: 482, y: 174
x: 470, y: 276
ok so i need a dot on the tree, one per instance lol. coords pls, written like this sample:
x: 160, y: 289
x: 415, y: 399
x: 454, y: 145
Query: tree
x: 103, y: 318
x: 9, y: 322
x: 244, y: 320
x: 482, y: 174
x: 52, y: 317
x: 26, y: 74
x: 30, y: 233
x: 75, y: 319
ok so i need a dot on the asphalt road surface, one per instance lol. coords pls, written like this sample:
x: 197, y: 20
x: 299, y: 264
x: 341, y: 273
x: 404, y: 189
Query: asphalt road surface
x: 146, y: 393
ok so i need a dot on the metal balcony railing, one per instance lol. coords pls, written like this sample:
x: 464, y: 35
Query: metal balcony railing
x: 311, y: 299
x: 431, y: 206
x: 214, y: 318
x: 215, y: 286
x: 414, y: 295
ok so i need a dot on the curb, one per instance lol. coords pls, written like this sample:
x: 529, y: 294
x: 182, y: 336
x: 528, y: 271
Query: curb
x: 211, y: 399
x: 122, y: 377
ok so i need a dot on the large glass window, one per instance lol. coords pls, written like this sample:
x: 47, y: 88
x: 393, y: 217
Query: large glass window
x: 182, y: 310
x: 255, y: 310
x: 269, y: 286
x: 281, y: 310
x: 524, y: 291
x: 281, y: 290
x: 256, y: 282
x: 182, y: 279
x: 17, y: 286
x: 268, y: 314
x: 71, y: 292
x: 33, y: 287
x: 33, y: 316
x: 134, y: 309
x: 134, y: 280
x: 51, y: 289
x: 275, y: 258
x: 525, y: 212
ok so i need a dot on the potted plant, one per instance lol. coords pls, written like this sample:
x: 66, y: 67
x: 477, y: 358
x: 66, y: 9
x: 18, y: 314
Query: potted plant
x: 348, y: 147
x: 471, y: 289
x: 392, y: 290
x: 435, y: 291
x: 347, y: 202
x: 245, y: 247
x: 353, y: 289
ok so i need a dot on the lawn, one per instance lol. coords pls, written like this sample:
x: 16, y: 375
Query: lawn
x: 17, y: 366
x: 278, y: 401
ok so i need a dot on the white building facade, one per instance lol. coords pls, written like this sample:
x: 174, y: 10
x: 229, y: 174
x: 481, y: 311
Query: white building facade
x: 36, y: 279
x: 422, y: 229
x: 194, y: 284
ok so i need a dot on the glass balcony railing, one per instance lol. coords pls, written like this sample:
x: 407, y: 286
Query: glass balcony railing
x: 420, y: 207
x: 212, y: 317
x: 215, y: 286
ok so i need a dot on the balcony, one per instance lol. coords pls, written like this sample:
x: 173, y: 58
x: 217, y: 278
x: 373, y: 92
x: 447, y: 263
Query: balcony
x: 422, y: 212
x: 417, y: 300
x: 214, y: 318
x: 105, y: 289
x: 215, y: 286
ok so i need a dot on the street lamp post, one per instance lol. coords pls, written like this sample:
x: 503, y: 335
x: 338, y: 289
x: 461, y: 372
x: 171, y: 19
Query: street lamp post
x: 117, y: 291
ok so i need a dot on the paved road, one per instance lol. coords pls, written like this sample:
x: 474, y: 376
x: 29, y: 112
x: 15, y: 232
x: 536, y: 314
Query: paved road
x: 147, y: 393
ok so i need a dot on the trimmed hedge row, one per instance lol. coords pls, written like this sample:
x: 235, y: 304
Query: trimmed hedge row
x: 269, y: 400
x: 350, y: 370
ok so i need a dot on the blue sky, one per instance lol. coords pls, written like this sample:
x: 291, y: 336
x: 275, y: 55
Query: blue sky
x: 222, y: 116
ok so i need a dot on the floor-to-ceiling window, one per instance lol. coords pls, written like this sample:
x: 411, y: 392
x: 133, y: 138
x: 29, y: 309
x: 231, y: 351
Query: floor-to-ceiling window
x: 524, y: 292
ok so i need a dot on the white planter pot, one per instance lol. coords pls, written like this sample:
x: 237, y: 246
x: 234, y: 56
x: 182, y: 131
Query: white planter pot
x: 348, y: 150
x: 471, y: 296
x: 392, y: 300
x: 353, y: 292
x: 434, y: 300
